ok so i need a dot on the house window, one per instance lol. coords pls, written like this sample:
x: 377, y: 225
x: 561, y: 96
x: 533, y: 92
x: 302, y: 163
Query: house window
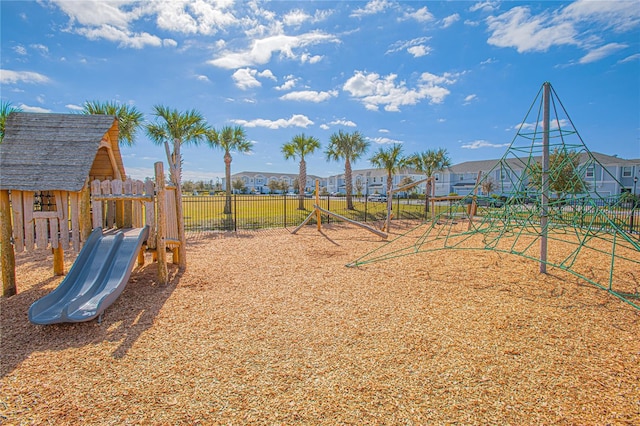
x: 461, y: 176
x: 590, y: 172
x: 437, y: 176
x: 626, y: 171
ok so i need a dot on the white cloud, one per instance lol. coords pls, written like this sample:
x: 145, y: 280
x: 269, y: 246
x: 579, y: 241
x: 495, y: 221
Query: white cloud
x: 201, y: 77
x: 602, y: 52
x: 519, y: 29
x: 168, y: 42
x: 418, y: 51
x: 290, y: 83
x: 122, y: 37
x: 450, y: 20
x: 193, y: 17
x: 371, y: 8
x: 262, y: 50
x: 295, y: 18
x: 575, y: 24
x: 553, y: 124
x: 245, y: 78
x: 20, y: 50
x: 27, y: 108
x: 407, y: 44
x: 483, y: 144
x: 44, y: 50
x: 309, y: 96
x: 267, y: 74
x: 420, y: 15
x: 12, y: 77
x: 347, y: 123
x: 74, y: 107
x: 383, y: 141
x: 470, y: 98
x: 631, y: 58
x: 296, y: 120
x: 375, y: 91
x: 486, y: 6
x: 113, y: 20
x: 305, y: 57
x: 324, y: 127
x: 383, y: 131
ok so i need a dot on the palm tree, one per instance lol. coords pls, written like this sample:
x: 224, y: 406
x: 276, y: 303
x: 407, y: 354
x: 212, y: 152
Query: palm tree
x: 180, y: 128
x: 5, y: 109
x: 229, y: 139
x: 300, y: 146
x: 349, y: 147
x: 129, y: 118
x: 428, y: 163
x: 391, y: 160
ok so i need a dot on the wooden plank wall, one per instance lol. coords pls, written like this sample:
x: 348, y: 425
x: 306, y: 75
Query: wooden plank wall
x: 40, y: 230
x: 130, y: 202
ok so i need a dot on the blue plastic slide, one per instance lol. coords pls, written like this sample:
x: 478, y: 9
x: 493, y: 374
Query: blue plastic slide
x: 96, y: 279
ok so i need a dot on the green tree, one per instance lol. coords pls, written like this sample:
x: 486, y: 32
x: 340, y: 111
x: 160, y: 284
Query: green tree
x: 488, y: 185
x: 238, y: 185
x: 300, y: 146
x: 229, y: 139
x: 428, y: 163
x: 564, y: 174
x: 5, y: 109
x: 348, y: 147
x: 129, y: 118
x: 391, y: 160
x: 179, y: 128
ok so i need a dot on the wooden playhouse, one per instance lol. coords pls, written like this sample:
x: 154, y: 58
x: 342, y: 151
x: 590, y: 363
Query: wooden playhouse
x: 48, y: 165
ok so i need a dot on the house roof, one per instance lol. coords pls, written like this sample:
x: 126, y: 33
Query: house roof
x: 518, y: 163
x: 44, y: 152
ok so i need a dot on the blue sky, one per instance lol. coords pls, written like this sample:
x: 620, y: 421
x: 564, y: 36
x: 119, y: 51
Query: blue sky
x: 460, y: 75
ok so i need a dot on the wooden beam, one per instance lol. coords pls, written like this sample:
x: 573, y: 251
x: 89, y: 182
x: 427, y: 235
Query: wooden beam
x: 7, y: 256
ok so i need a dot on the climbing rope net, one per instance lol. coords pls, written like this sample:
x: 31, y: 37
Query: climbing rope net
x: 551, y: 210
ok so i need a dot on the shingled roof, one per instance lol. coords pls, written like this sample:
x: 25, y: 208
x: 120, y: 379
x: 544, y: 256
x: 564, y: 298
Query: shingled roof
x: 45, y: 152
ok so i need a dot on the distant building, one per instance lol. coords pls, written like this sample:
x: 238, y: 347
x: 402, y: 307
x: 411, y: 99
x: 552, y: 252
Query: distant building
x: 258, y: 182
x: 459, y: 178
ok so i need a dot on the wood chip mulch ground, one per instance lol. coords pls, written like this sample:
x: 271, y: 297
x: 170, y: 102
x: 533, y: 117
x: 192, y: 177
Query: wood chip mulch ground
x: 271, y: 328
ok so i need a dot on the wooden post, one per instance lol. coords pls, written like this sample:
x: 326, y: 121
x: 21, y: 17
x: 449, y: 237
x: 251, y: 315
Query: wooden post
x: 318, y: 215
x: 85, y: 214
x: 473, y: 207
x: 58, y: 260
x: 163, y: 274
x: 7, y: 255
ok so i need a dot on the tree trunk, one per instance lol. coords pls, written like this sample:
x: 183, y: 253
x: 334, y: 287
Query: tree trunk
x: 175, y: 175
x: 302, y: 180
x: 348, y: 183
x: 227, y: 174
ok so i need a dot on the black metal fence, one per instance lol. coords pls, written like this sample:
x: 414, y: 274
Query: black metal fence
x: 280, y: 211
x: 250, y: 212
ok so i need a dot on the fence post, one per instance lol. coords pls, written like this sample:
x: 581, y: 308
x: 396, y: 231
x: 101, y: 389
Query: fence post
x: 284, y: 196
x: 235, y: 212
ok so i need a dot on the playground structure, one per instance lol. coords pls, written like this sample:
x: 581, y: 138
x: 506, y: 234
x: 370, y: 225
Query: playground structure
x: 318, y: 211
x: 552, y: 214
x: 62, y: 187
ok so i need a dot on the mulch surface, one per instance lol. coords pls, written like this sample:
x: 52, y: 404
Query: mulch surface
x: 271, y: 328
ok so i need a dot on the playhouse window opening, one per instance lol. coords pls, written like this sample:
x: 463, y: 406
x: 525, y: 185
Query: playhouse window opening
x: 44, y: 201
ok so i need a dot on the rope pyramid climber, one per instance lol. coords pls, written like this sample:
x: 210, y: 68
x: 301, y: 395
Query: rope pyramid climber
x: 553, y: 213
